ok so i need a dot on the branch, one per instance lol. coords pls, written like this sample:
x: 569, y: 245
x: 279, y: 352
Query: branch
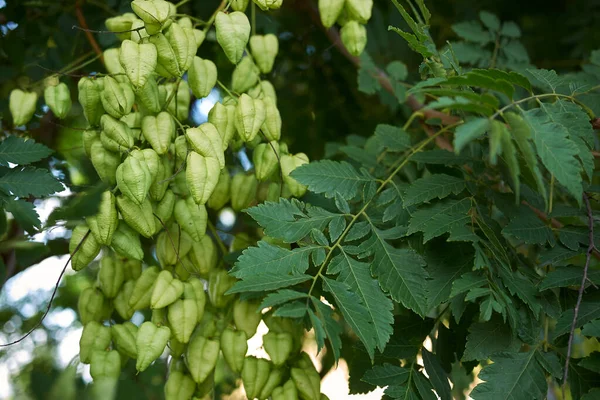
x: 88, y: 34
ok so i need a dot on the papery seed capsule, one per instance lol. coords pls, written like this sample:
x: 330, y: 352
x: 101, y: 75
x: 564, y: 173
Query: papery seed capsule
x: 223, y: 118
x: 164, y: 208
x: 150, y: 158
x: 201, y: 357
x: 167, y: 62
x: 94, y: 337
x: 172, y: 243
x: 86, y: 245
x: 111, y: 276
x: 138, y: 32
x: 121, y: 24
x: 121, y: 301
x: 148, y: 96
x: 330, y: 10
x: 89, y: 98
x: 191, y: 217
x: 272, y: 125
x: 154, y: 13
x: 179, y: 386
x: 126, y: 242
x: 359, y: 10
x: 194, y: 290
x: 220, y: 282
x: 286, y: 392
x: 134, y: 180
x: 134, y: 122
x: 117, y: 98
x: 245, y: 75
x: 263, y: 90
x: 266, y: 160
x: 183, y: 318
x: 105, y: 162
x: 202, y: 175
x: 275, y: 378
x: 92, y: 306
x: 161, y: 184
x: 183, y: 43
x: 22, y: 106
x: 249, y: 117
x: 255, y: 374
x: 124, y: 337
x: 239, y: 5
x: 202, y: 77
x: 88, y: 138
x: 233, y: 32
x: 234, y: 345
x: 308, y: 383
x: 279, y: 346
x: 222, y: 192
x: 116, y: 136
x: 138, y: 61
x: 354, y: 37
x: 264, y: 50
x: 179, y: 104
x: 206, y: 141
x: 58, y: 98
x: 167, y: 290
x: 243, y: 190
x: 138, y: 216
x: 104, y: 224
x: 268, y: 4
x: 142, y: 291
x: 246, y: 316
x: 288, y: 164
x: 151, y: 341
x: 159, y: 131
x: 204, y: 256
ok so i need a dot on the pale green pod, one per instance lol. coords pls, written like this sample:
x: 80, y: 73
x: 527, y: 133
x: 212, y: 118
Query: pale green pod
x: 279, y: 346
x: 245, y: 75
x: 264, y: 50
x: 138, y: 216
x: 185, y: 22
x: 164, y: 208
x: 199, y: 37
x: 206, y: 141
x: 116, y: 135
x: 87, y: 249
x: 239, y: 5
x: 134, y: 179
x: 121, y: 25
x: 202, y: 77
x: 286, y: 392
x: 167, y: 61
x: 183, y: 318
x: 204, y: 256
x: 169, y: 244
x: 359, y: 10
x: 126, y: 242
x: 92, y: 306
x: 354, y: 37
x: 121, y: 302
x: 223, y: 118
x: 151, y: 159
x: 160, y: 186
x: 202, y: 175
x: 22, y: 106
x: 154, y: 13
x: 233, y: 32
x: 167, y: 290
x: 272, y: 125
x: 308, y: 383
x: 134, y: 122
x: 201, y: 357
x: 249, y: 117
x: 243, y: 190
x: 191, y: 217
x: 234, y: 345
x: 263, y: 90
x: 117, y: 99
x: 222, y: 192
x: 194, y: 290
x: 89, y: 97
x: 132, y: 268
x: 330, y: 10
x: 94, y: 337
x: 138, y: 61
x: 110, y: 276
x: 159, y: 131
x: 147, y: 95
x: 179, y: 184
x: 58, y: 98
x: 274, y: 380
x: 151, y: 341
x: 124, y: 336
x: 179, y: 104
x: 104, y: 224
x: 246, y: 316
x: 105, y: 368
x: 288, y: 164
x: 183, y: 43
x: 255, y: 374
x: 179, y: 386
x: 142, y: 291
x: 268, y: 4
x: 88, y: 138
x: 105, y: 162
x: 181, y: 148
x: 219, y: 282
x: 138, y: 31
x: 112, y: 63
x: 266, y: 160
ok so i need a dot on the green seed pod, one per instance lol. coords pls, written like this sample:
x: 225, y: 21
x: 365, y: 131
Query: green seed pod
x: 159, y: 316
x: 266, y: 160
x: 183, y: 42
x: 272, y: 125
x: 161, y: 184
x: 234, y: 345
x: 132, y: 268
x: 89, y: 98
x: 204, y: 256
x: 308, y: 383
x: 199, y: 37
x: 183, y: 318
x: 138, y: 61
x: 185, y: 22
x: 279, y: 346
x: 159, y: 131
x: 142, y: 291
x: 206, y: 141
x: 116, y: 136
x: 181, y: 149
x: 243, y: 190
x: 263, y: 90
x: 201, y: 357
x: 202, y: 77
x: 150, y: 341
x: 202, y: 175
x: 94, y: 337
x: 239, y: 5
x: 171, y: 243
x: 117, y: 98
x: 104, y: 224
x: 268, y: 4
x: 138, y: 216
x: 191, y: 217
x: 88, y: 138
x: 164, y: 209
x: 222, y: 192
x: 288, y: 164
x: 330, y: 10
x: 194, y: 290
x: 148, y: 96
x: 233, y: 32
x: 121, y: 302
x: 105, y: 368
x: 354, y: 37
x: 179, y: 386
x: 255, y: 375
x: 154, y: 13
x: 166, y: 290
x: 275, y: 378
x: 22, y: 106
x: 219, y: 282
x: 177, y: 349
x: 110, y: 276
x: 286, y: 392
x: 245, y: 75
x: 249, y: 117
x: 113, y: 65
x: 126, y: 242
x: 134, y: 122
x: 87, y: 249
x: 124, y: 337
x: 58, y: 98
x: 134, y: 180
x: 223, y: 118
x: 246, y: 316
x: 121, y: 24
x: 207, y: 326
x: 180, y: 104
x: 149, y: 158
x: 359, y: 10
x: 264, y: 50
x: 92, y: 305
x: 138, y: 32
x: 105, y: 163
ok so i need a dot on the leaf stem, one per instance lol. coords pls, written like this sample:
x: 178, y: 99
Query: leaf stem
x: 212, y: 18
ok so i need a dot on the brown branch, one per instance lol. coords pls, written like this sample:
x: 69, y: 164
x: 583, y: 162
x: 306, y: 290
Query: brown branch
x: 88, y: 34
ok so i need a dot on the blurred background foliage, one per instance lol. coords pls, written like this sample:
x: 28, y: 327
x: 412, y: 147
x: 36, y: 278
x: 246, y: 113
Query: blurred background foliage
x: 318, y: 98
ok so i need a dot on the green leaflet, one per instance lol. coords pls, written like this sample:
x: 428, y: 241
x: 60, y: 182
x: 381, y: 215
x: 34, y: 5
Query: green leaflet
x: 432, y: 186
x: 469, y: 131
x: 19, y: 151
x: 439, y: 218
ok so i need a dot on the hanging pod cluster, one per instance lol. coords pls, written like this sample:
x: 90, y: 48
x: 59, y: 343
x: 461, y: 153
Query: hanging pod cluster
x: 351, y: 15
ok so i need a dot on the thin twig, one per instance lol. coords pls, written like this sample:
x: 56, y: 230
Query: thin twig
x: 89, y: 36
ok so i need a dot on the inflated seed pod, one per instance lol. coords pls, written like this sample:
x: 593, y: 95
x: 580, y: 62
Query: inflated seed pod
x: 176, y: 349
x: 154, y: 13
x: 206, y: 141
x: 286, y: 392
x: 359, y: 10
x: 151, y: 341
x: 90, y: 90
x: 183, y: 318
x: 138, y: 61
x: 132, y: 268
x: 134, y: 180
x: 202, y: 175
x: 58, y: 98
x: 113, y: 65
x: 239, y: 5
x: 204, y: 256
x: 105, y: 162
x: 266, y: 160
x: 183, y: 42
x: 121, y: 302
x: 246, y: 316
x: 245, y: 75
x: 22, y: 106
x: 126, y: 242
x: 148, y: 96
x: 264, y: 50
x: 255, y: 375
x: 308, y: 383
x: 243, y: 190
x: 279, y: 346
x: 288, y: 164
x: 222, y: 192
x: 268, y: 4
x: 138, y: 216
x: 191, y: 217
x: 185, y: 22
x: 121, y: 25
x: 94, y: 337
x: 88, y: 137
x: 117, y: 98
x: 354, y: 37
x: 138, y: 32
x: 330, y: 10
x: 116, y: 135
x: 275, y: 378
x: 179, y: 386
x: 183, y: 270
x: 161, y: 184
x: 272, y: 125
x: 219, y: 282
x: 179, y: 184
x: 194, y: 290
x: 234, y: 345
x: 159, y: 316
x: 233, y: 32
x: 168, y: 245
x: 159, y: 131
x: 86, y: 245
x: 134, y: 122
x: 105, y: 368
x: 199, y: 37
x: 202, y: 77
x: 179, y: 104
x: 169, y: 53
x: 124, y: 337
x: 249, y: 117
x: 92, y: 305
x: 151, y: 159
x: 263, y: 90
x: 110, y: 276
x: 201, y: 357
x: 142, y: 291
x: 104, y: 224
x: 223, y: 118
x: 164, y: 208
